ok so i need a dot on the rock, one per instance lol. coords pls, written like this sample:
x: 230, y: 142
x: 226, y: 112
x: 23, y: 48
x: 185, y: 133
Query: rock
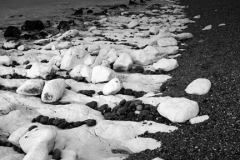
x: 60, y: 143
x: 141, y: 57
x: 17, y: 134
x: 168, y: 41
x: 168, y: 50
x: 38, y: 143
x: 86, y: 72
x: 102, y: 74
x: 22, y: 47
x: 97, y: 32
x: 199, y: 119
x: 13, y: 157
x: 178, y: 109
x: 33, y: 25
x: 63, y: 45
x: 112, y: 87
x: 31, y: 87
x: 56, y: 154
x: 53, y: 90
x: 199, y: 86
x: 207, y: 28
x: 68, y: 155
x: 160, y: 35
x: 133, y: 24
x: 92, y: 104
x: 105, y: 63
x: 137, y: 69
x: 75, y: 56
x: 50, y: 46
x: 11, y: 44
x: 68, y: 34
x: 63, y: 26
x: 12, y: 31
x: 123, y: 63
x: 197, y: 17
x: 76, y: 72
x: 154, y: 30
x: 91, y: 122
x: 5, y: 60
x: 78, y: 12
x: 6, y: 106
x: 166, y: 64
x: 92, y: 48
x: 112, y: 55
x: 40, y: 70
x: 183, y: 36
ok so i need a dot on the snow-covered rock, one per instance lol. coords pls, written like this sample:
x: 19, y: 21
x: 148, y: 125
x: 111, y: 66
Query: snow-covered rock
x: 6, y: 106
x: 123, y: 63
x: 31, y: 87
x: 112, y: 87
x: 102, y: 74
x: 199, y: 86
x: 39, y: 70
x: 168, y: 41
x: 75, y: 56
x: 5, y: 60
x: 178, y: 109
x: 166, y: 64
x: 199, y: 119
x: 23, y: 47
x: 6, y: 70
x: 53, y: 90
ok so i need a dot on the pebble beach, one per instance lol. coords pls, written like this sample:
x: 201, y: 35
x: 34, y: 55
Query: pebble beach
x: 119, y: 80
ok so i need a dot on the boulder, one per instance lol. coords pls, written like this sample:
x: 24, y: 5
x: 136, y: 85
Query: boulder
x: 63, y: 45
x: 199, y: 119
x: 166, y: 64
x: 141, y: 57
x: 69, y: 34
x: 112, y: 55
x: 168, y: 41
x: 123, y: 63
x: 92, y: 48
x: 112, y: 87
x: 6, y: 106
x: 183, y: 36
x: 33, y: 25
x: 133, y: 24
x: 6, y: 70
x: 31, y: 87
x: 199, y: 86
x: 178, y: 109
x: 76, y: 72
x: 168, y: 50
x: 75, y: 56
x: 102, y: 74
x: 154, y: 30
x: 12, y: 31
x: 86, y: 72
x: 40, y: 70
x: 53, y: 90
x: 68, y: 155
x: 22, y: 47
x: 11, y: 44
x: 160, y: 35
x: 5, y: 60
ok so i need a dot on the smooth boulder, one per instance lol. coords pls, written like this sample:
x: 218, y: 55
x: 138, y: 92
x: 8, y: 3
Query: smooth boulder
x: 5, y: 60
x: 123, y: 63
x: 199, y: 86
x: 112, y: 87
x: 168, y: 41
x: 40, y: 70
x: 102, y: 74
x: 178, y: 110
x: 166, y: 64
x: 31, y: 87
x: 6, y: 106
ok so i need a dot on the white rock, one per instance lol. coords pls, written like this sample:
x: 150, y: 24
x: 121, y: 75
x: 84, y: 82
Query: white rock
x: 140, y: 57
x: 23, y: 47
x: 199, y: 86
x: 178, y: 109
x: 197, y: 17
x: 183, y: 36
x: 53, y: 90
x: 102, y: 74
x: 6, y: 60
x: 75, y: 56
x: 31, y: 87
x: 207, y: 28
x: 42, y: 41
x: 151, y: 50
x: 6, y: 70
x: 168, y: 50
x: 11, y: 44
x: 92, y: 48
x: 154, y: 30
x: 166, y: 64
x: 97, y: 32
x: 13, y: 157
x: 76, y: 72
x: 50, y: 45
x: 60, y: 143
x: 112, y: 87
x: 133, y: 24
x: 17, y: 134
x: 92, y: 28
x: 123, y: 63
x: 103, y: 20
x: 55, y: 60
x: 112, y: 55
x: 39, y: 70
x: 199, y: 119
x: 63, y: 45
x: 160, y: 35
x: 222, y: 24
x: 168, y: 41
x: 86, y: 72
x: 105, y: 63
x: 6, y: 106
x: 68, y: 155
x: 69, y: 34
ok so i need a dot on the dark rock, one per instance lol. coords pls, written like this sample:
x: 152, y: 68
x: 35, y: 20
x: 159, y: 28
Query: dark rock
x: 44, y: 120
x: 28, y: 66
x: 122, y: 110
x: 87, y: 92
x: 26, y: 62
x: 56, y: 122
x: 139, y: 94
x: 50, y: 121
x: 128, y: 92
x: 34, y: 120
x: 100, y: 93
x: 12, y: 31
x: 115, y: 109
x: 132, y: 2
x: 122, y: 102
x: 91, y: 122
x: 139, y: 107
x: 121, y: 91
x: 92, y: 104
x: 38, y: 118
x: 33, y: 25
x: 137, y: 69
x: 130, y: 114
x: 127, y: 104
x: 149, y: 117
x: 62, y: 125
x: 78, y: 123
x: 63, y: 26
x: 90, y: 11
x: 56, y: 154
x: 103, y: 108
x: 110, y: 116
x: 44, y: 61
x: 19, y: 150
x: 143, y: 114
x: 15, y: 63
x: 122, y: 117
x: 32, y: 127
x: 78, y: 12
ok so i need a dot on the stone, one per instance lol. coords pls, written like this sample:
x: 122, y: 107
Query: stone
x: 31, y: 87
x: 112, y: 87
x: 63, y: 45
x: 92, y: 104
x: 199, y: 119
x: 11, y: 44
x: 160, y: 35
x: 92, y: 48
x: 184, y: 36
x: 197, y: 17
x: 76, y: 72
x: 178, y: 110
x: 112, y: 55
x: 133, y: 24
x: 37, y: 143
x: 53, y: 90
x: 166, y: 64
x: 168, y: 50
x: 68, y: 155
x: 91, y: 122
x: 86, y: 72
x: 56, y: 154
x: 75, y: 56
x: 6, y: 106
x: 168, y: 41
x: 22, y: 47
x: 207, y: 28
x: 154, y: 30
x: 12, y: 31
x: 69, y: 34
x: 123, y: 63
x: 140, y: 57
x: 40, y: 70
x: 102, y: 74
x: 33, y: 25
x: 5, y: 60
x: 63, y: 26
x: 199, y: 86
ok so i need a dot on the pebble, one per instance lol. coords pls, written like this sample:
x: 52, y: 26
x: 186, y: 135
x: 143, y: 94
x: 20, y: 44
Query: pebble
x: 92, y: 105
x: 199, y: 119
